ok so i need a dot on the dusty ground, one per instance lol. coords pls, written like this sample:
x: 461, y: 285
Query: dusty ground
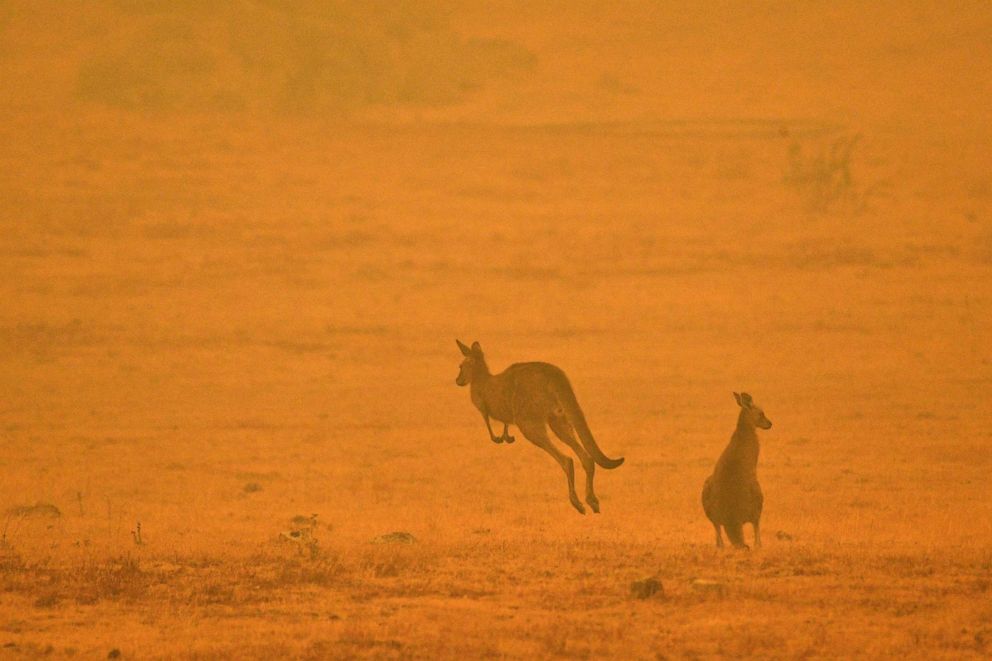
x: 230, y: 324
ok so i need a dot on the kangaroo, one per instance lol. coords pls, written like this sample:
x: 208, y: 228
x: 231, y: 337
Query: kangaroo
x: 732, y: 495
x: 535, y: 396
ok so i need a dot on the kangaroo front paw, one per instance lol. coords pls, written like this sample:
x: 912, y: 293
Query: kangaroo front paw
x: 494, y: 439
x: 509, y: 439
x: 594, y: 504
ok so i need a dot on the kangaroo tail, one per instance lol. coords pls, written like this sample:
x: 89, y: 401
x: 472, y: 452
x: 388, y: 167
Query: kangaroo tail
x: 735, y: 533
x: 578, y: 420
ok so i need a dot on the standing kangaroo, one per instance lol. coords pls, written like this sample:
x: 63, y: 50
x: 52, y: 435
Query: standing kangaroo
x: 732, y: 495
x: 535, y: 396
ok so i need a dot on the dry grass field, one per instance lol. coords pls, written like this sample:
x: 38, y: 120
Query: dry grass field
x: 232, y: 274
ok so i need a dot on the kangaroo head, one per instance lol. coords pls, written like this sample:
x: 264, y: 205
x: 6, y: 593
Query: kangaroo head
x: 473, y: 364
x: 751, y: 413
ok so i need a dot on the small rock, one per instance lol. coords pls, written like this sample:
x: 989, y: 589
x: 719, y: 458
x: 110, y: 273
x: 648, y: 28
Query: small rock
x: 46, y: 601
x: 646, y: 588
x: 784, y: 536
x: 40, y: 509
x: 165, y: 567
x: 114, y: 654
x: 303, y: 536
x: 399, y: 537
x: 253, y: 487
x: 709, y: 585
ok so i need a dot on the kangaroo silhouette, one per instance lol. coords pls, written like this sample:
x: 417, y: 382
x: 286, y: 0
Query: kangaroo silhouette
x: 732, y: 495
x: 535, y: 396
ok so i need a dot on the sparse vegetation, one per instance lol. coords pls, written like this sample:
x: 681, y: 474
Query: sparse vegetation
x: 823, y: 175
x: 366, y: 597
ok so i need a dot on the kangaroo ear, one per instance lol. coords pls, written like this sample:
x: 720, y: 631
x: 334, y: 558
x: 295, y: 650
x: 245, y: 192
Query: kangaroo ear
x: 737, y: 396
x: 477, y: 348
x: 464, y: 349
x: 746, y: 399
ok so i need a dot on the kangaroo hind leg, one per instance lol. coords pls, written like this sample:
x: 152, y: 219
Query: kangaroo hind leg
x: 719, y: 536
x: 537, y: 433
x: 506, y: 434
x: 563, y: 429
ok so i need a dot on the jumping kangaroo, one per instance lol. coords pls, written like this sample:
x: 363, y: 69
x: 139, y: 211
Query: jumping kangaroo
x: 732, y: 495
x: 534, y: 396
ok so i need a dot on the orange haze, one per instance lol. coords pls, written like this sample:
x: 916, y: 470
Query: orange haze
x: 239, y: 240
